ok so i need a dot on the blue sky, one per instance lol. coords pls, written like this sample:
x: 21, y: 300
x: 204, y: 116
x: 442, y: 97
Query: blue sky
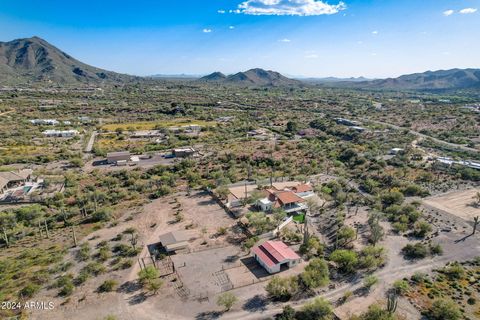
x: 372, y: 38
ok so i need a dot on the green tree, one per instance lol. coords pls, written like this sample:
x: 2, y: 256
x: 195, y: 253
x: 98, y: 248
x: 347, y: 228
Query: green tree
x: 282, y: 288
x: 148, y: 278
x: 226, y: 300
x: 345, y: 259
x: 316, y: 274
x: 288, y: 313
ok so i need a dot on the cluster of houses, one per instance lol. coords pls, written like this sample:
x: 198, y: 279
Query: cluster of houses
x: 465, y: 163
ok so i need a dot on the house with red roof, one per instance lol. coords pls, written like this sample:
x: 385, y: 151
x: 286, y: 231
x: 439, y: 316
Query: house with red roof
x: 287, y: 200
x: 275, y: 256
x: 303, y: 190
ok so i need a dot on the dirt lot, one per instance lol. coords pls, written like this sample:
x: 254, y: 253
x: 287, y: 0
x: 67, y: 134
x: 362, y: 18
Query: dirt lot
x: 458, y: 203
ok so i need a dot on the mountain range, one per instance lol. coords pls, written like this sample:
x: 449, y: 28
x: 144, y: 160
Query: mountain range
x: 252, y: 77
x: 430, y: 80
x: 33, y: 60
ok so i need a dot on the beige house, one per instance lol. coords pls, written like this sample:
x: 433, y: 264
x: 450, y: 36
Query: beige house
x: 11, y: 179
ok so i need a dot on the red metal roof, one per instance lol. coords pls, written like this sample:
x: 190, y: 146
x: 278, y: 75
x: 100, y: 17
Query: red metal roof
x: 275, y: 252
x: 287, y: 197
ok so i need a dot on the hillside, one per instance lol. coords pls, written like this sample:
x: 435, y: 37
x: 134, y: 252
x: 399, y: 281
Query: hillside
x: 35, y: 60
x: 252, y: 77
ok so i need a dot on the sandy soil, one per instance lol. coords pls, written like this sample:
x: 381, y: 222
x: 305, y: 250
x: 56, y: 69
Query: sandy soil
x: 458, y: 203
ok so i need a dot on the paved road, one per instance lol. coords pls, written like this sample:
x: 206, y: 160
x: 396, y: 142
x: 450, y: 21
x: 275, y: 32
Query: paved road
x: 418, y: 134
x: 89, y: 146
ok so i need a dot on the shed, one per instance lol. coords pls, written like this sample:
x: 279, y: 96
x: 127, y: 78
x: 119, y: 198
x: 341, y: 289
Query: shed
x: 275, y: 255
x: 174, y: 240
x: 114, y: 157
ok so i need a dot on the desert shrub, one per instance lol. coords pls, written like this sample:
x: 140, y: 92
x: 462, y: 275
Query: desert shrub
x: 107, y: 286
x: 421, y: 228
x: 29, y: 291
x: 83, y: 254
x: 370, y: 281
x: 94, y: 268
x: 318, y: 309
x: 415, y: 251
x: 401, y: 287
x: 443, y: 309
x: 455, y: 271
x: 282, y: 288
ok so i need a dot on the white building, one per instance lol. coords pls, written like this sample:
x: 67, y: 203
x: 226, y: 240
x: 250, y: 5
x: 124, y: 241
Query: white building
x: 60, y: 133
x: 49, y: 122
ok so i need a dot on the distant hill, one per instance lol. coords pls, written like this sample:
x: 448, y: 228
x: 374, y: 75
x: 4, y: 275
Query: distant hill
x: 35, y: 60
x: 216, y: 76
x: 430, y: 80
x: 252, y: 77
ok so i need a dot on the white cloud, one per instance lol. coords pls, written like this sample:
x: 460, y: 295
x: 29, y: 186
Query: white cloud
x: 448, y: 13
x: 221, y: 11
x: 468, y: 10
x: 231, y: 27
x: 375, y: 32
x: 206, y: 30
x: 284, y: 40
x: 312, y: 56
x: 289, y: 7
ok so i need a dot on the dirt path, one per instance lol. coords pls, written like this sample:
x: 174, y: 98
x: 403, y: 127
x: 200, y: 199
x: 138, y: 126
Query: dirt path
x: 90, y: 143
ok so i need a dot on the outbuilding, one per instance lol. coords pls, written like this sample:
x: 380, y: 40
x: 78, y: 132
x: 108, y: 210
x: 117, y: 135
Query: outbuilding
x: 115, y: 157
x: 174, y: 240
x: 275, y: 256
x: 183, y: 152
